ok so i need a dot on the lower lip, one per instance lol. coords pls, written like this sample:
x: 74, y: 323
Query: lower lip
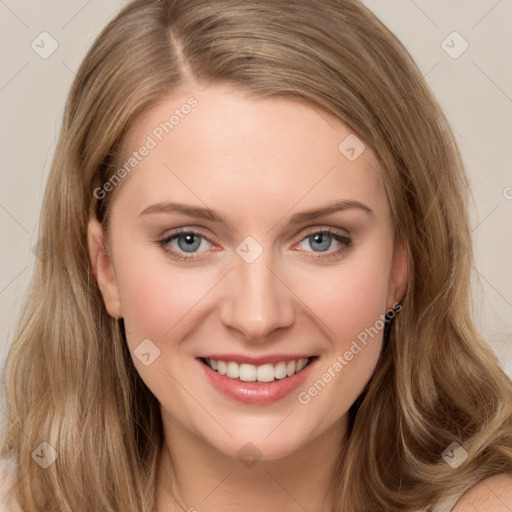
x: 254, y: 392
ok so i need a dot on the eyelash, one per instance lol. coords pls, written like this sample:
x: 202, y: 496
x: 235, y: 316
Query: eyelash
x: 344, y: 240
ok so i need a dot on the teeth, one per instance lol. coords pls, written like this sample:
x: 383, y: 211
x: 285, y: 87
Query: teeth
x: 233, y: 370
x: 280, y: 370
x: 301, y: 363
x: 222, y: 367
x: 263, y: 373
x: 290, y: 368
x: 248, y: 372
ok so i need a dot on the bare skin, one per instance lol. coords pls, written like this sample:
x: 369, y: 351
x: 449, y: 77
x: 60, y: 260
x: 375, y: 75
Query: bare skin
x: 494, y: 494
x: 256, y: 163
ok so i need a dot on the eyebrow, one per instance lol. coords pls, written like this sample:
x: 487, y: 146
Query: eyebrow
x: 298, y: 218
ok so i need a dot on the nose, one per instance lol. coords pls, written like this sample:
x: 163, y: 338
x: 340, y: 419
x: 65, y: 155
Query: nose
x: 257, y: 303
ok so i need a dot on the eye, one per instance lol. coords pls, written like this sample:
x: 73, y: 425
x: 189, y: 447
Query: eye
x: 185, y: 244
x: 322, y: 240
x: 183, y: 241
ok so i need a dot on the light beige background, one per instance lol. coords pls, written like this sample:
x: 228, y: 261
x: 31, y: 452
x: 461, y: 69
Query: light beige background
x: 474, y: 89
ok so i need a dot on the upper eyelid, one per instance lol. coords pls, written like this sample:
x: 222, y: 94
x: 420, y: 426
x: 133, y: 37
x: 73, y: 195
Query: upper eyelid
x: 334, y: 230
x: 184, y: 231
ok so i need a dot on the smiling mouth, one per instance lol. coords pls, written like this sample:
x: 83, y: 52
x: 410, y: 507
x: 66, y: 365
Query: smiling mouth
x: 264, y: 373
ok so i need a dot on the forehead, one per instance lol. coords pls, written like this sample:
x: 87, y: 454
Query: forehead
x: 220, y: 144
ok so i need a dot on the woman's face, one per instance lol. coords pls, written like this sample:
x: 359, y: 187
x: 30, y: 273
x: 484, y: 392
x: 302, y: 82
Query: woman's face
x: 255, y: 233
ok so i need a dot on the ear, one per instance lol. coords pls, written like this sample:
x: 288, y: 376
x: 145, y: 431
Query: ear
x: 102, y: 268
x: 398, y: 276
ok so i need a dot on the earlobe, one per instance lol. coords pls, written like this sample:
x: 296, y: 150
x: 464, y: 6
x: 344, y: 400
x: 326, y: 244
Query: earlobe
x: 399, y: 273
x: 102, y: 269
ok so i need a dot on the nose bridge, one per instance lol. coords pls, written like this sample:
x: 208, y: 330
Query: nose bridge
x: 255, y: 302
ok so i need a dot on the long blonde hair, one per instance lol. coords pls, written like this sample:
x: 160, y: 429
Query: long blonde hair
x: 69, y: 378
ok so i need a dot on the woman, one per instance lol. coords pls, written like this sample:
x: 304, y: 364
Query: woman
x: 255, y: 289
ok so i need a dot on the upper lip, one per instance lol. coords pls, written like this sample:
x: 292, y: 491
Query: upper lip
x: 256, y: 361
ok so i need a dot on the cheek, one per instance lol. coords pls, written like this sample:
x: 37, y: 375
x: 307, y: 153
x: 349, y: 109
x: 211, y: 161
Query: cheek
x: 341, y: 305
x: 349, y: 297
x: 343, y: 299
x: 350, y: 301
x: 156, y: 296
x: 160, y: 302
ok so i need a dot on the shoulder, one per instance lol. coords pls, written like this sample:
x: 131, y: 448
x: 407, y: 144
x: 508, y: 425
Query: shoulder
x: 8, y: 499
x: 494, y: 494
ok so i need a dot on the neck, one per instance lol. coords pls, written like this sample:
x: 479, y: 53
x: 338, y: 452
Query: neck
x: 198, y: 477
